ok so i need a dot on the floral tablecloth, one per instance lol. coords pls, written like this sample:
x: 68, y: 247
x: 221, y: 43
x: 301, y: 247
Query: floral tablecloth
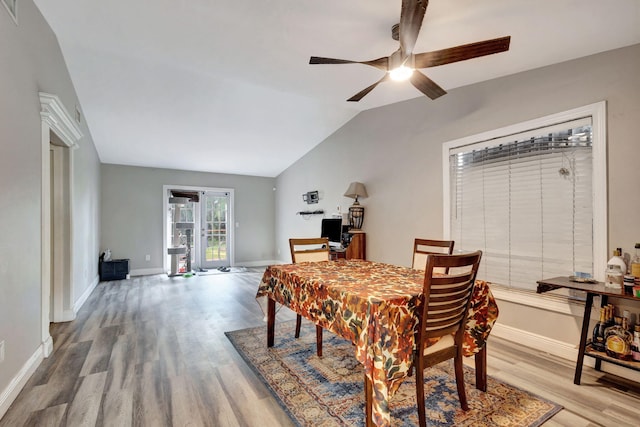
x: 374, y: 306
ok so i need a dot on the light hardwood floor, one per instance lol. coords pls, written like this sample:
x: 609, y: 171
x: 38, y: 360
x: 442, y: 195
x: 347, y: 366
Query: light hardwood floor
x: 151, y: 351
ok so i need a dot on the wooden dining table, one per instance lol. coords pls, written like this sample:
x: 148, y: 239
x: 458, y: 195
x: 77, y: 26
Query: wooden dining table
x: 375, y: 306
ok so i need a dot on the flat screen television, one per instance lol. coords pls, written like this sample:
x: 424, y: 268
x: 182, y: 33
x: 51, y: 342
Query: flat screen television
x: 332, y: 230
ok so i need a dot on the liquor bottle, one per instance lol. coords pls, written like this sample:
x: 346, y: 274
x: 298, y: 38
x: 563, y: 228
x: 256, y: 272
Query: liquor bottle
x: 614, y: 275
x: 597, y: 340
x: 635, y: 346
x: 616, y: 260
x: 610, y: 315
x: 618, y: 340
x: 620, y: 259
x: 635, y: 263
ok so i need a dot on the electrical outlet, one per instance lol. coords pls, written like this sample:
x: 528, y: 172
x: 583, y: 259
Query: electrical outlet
x: 147, y: 257
x: 1, y: 351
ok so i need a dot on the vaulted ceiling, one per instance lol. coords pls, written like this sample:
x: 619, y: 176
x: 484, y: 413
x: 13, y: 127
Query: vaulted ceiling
x: 226, y: 86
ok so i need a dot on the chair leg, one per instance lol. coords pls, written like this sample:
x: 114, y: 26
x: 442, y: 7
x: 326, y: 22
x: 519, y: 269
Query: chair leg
x: 422, y: 415
x: 462, y: 395
x: 481, y: 369
x: 319, y: 340
x: 298, y: 323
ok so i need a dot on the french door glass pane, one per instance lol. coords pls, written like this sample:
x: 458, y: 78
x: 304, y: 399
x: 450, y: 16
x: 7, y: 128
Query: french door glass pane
x: 216, y: 215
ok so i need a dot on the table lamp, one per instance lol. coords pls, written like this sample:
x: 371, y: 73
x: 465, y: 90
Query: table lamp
x: 356, y: 212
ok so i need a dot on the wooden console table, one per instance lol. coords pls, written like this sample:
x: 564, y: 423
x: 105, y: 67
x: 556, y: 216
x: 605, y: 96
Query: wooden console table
x: 355, y: 250
x: 592, y: 289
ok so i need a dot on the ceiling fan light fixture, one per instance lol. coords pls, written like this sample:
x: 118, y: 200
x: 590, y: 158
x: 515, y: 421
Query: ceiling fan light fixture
x: 401, y: 73
x: 402, y: 63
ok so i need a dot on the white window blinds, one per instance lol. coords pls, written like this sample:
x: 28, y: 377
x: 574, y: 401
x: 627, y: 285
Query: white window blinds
x: 526, y: 201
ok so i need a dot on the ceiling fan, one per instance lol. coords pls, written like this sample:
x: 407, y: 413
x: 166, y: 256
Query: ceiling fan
x: 403, y: 63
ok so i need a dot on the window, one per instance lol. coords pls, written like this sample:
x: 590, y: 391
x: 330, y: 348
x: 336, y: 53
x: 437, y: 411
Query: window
x: 526, y: 196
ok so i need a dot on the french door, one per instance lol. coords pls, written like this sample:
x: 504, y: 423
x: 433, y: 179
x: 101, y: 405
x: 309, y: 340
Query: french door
x: 198, y: 232
x: 215, y: 229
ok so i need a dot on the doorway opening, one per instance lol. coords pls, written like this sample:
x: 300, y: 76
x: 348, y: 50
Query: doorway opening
x: 59, y: 138
x: 61, y: 308
x: 198, y: 232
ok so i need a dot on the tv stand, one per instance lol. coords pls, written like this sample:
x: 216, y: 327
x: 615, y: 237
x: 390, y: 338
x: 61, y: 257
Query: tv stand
x: 356, y: 247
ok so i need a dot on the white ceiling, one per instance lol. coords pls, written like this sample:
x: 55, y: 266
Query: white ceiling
x: 225, y: 86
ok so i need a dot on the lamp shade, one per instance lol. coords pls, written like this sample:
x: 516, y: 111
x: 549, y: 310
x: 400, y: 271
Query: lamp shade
x: 355, y: 190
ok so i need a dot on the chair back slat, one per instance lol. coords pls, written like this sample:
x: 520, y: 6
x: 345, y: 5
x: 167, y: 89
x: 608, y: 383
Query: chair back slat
x: 424, y: 247
x: 314, y: 249
x: 447, y: 297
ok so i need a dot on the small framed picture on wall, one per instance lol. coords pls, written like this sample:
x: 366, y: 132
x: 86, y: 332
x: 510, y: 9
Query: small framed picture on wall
x: 11, y: 6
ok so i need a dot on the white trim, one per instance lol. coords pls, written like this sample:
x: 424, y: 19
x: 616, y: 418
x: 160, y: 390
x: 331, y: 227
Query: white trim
x: 563, y: 304
x: 85, y: 295
x: 599, y: 188
x: 66, y: 316
x: 47, y: 347
x: 557, y: 348
x: 146, y: 271
x: 59, y: 120
x: 538, y: 342
x: 54, y: 118
x: 16, y: 384
x: 262, y: 263
x: 13, y: 13
x: 598, y: 113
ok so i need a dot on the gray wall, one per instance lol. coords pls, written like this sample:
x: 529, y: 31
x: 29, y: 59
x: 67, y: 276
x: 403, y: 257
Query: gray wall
x: 132, y: 212
x: 397, y: 152
x: 30, y: 62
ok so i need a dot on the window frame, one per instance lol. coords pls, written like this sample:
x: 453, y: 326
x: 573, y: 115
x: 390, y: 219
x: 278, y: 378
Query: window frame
x: 597, y: 112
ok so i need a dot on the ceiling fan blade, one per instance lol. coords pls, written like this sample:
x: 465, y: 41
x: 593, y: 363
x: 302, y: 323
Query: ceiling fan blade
x: 380, y: 63
x: 425, y: 85
x: 358, y: 96
x: 411, y: 17
x: 462, y: 53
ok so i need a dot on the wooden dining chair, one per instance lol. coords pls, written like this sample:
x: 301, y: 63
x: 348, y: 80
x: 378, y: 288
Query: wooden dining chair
x: 309, y: 250
x: 446, y: 301
x: 424, y: 247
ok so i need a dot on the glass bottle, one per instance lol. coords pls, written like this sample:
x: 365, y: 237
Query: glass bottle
x: 635, y: 346
x: 629, y: 283
x: 612, y: 313
x: 635, y: 262
x: 614, y: 276
x: 618, y: 340
x: 617, y: 259
x: 597, y: 340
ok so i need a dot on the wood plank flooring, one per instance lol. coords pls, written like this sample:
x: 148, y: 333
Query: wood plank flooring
x: 151, y: 351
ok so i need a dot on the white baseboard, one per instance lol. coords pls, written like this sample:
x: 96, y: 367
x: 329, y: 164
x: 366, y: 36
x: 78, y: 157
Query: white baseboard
x: 47, y: 348
x: 262, y: 263
x: 67, y: 316
x: 150, y: 271
x: 146, y: 271
x: 85, y: 295
x: 539, y: 342
x: 558, y: 348
x: 10, y: 393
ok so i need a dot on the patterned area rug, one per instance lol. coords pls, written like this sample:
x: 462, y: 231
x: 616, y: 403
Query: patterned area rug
x: 328, y: 391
